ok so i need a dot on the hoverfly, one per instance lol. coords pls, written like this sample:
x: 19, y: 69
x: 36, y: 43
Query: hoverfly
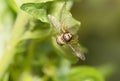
x: 65, y: 37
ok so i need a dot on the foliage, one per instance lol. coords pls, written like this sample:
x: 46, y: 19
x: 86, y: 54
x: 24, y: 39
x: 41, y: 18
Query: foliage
x: 31, y: 52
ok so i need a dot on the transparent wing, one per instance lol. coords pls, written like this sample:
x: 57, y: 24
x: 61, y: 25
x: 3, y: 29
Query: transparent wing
x: 64, y: 51
x: 55, y: 23
x: 73, y: 30
x: 77, y: 51
x: 71, y: 24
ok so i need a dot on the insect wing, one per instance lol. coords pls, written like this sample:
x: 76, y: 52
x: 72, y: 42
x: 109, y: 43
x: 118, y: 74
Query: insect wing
x: 64, y: 51
x: 77, y: 51
x: 55, y: 23
x: 73, y: 30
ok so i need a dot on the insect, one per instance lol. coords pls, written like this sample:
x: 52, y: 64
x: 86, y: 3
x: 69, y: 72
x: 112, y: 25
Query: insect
x: 65, y: 37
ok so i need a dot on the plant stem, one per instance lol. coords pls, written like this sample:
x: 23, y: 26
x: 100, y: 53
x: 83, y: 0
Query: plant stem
x: 22, y: 20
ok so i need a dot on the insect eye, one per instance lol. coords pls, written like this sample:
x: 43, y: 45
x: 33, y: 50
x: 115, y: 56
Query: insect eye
x: 67, y: 37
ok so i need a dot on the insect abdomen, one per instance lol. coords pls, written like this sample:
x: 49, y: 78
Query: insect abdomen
x: 60, y: 40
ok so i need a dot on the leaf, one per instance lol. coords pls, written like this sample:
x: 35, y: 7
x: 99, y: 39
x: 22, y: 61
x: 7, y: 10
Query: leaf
x: 34, y: 1
x: 84, y: 73
x: 36, y: 30
x: 41, y: 9
x: 37, y: 10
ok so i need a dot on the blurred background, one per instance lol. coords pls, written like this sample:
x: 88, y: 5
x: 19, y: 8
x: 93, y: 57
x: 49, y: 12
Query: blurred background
x: 99, y: 33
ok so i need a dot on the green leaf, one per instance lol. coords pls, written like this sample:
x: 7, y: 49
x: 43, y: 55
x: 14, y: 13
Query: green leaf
x: 84, y: 73
x: 37, y: 10
x: 41, y: 9
x: 36, y: 30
